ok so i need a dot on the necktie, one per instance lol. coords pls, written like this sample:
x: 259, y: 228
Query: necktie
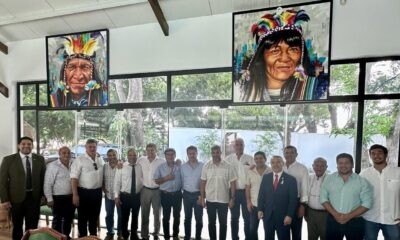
x: 28, y: 174
x: 133, y: 182
x: 276, y: 182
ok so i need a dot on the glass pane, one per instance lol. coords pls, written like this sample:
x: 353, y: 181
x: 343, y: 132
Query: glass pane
x: 381, y: 126
x: 43, y: 95
x: 344, y: 79
x: 382, y: 77
x: 28, y: 126
x: 28, y: 95
x: 133, y: 90
x: 260, y: 127
x: 210, y: 86
x: 56, y: 129
x: 131, y: 128
x: 199, y: 126
x: 322, y: 130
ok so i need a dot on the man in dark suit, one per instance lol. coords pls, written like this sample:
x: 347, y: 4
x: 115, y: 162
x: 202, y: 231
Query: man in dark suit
x: 21, y: 186
x: 277, y: 201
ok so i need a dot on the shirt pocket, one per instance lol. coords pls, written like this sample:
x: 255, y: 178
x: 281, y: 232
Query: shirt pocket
x: 393, y: 185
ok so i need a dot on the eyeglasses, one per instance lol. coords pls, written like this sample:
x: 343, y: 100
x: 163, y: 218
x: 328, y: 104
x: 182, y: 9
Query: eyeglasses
x: 95, y: 166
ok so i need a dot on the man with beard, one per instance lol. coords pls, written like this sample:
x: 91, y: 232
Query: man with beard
x: 346, y: 196
x: 21, y: 186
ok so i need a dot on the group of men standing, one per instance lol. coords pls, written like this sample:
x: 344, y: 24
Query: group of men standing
x: 336, y: 205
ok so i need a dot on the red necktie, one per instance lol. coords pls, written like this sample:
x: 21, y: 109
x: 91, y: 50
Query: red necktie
x: 276, y: 182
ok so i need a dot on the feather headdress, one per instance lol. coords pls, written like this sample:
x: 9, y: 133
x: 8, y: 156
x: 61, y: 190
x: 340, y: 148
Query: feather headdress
x: 81, y: 45
x: 281, y: 20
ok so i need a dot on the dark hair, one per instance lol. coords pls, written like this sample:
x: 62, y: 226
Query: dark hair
x: 111, y: 150
x: 131, y: 150
x: 151, y: 145
x: 91, y: 140
x: 191, y: 147
x: 345, y: 155
x: 290, y: 147
x: 169, y: 150
x: 24, y: 138
x: 215, y: 147
x: 260, y: 153
x: 378, y: 146
x: 254, y: 90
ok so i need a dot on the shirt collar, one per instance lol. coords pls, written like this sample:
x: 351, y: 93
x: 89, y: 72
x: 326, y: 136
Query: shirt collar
x: 23, y: 155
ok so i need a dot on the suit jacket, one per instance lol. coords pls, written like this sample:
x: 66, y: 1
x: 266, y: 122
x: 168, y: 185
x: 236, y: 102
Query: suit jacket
x: 283, y: 201
x: 13, y: 178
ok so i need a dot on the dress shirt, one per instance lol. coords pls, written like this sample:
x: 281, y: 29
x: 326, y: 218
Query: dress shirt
x: 218, y: 179
x: 314, y: 192
x: 149, y: 168
x: 23, y: 158
x: 83, y: 170
x: 57, y: 180
x: 346, y: 196
x: 173, y: 185
x: 300, y: 172
x: 191, y: 176
x: 108, y: 178
x: 123, y: 179
x: 253, y: 180
x: 240, y: 166
x: 386, y: 186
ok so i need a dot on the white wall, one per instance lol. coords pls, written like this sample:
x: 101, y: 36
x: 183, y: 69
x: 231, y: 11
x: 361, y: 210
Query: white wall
x: 360, y: 28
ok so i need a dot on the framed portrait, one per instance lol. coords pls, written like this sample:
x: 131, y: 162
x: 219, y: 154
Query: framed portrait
x: 282, y: 54
x: 78, y: 69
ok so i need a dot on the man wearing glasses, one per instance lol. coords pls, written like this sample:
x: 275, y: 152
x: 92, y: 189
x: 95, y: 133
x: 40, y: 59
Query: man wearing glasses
x: 86, y: 182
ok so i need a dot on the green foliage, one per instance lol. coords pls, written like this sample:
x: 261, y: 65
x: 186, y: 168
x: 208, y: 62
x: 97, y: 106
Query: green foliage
x: 266, y: 143
x: 210, y: 86
x: 384, y: 77
x: 344, y: 79
x: 205, y: 142
x: 28, y: 95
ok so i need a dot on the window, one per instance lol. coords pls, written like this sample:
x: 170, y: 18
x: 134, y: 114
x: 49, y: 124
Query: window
x: 381, y: 126
x: 28, y: 95
x: 196, y: 87
x: 382, y: 77
x: 344, y: 79
x: 136, y: 90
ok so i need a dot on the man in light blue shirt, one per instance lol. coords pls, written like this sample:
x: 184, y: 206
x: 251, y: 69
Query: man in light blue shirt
x: 191, y: 173
x: 168, y: 176
x: 346, y: 196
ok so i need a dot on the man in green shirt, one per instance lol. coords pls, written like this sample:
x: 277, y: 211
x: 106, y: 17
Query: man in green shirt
x: 346, y: 196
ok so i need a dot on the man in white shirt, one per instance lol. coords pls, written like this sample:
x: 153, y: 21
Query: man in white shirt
x: 57, y: 189
x: 385, y: 181
x: 86, y: 181
x: 109, y: 171
x: 300, y: 172
x: 253, y: 183
x: 150, y: 195
x: 316, y: 215
x: 127, y: 195
x: 217, y: 178
x: 240, y: 163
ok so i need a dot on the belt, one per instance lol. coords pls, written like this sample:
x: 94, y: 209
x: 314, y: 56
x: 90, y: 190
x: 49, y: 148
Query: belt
x: 317, y: 210
x: 156, y: 188
x: 194, y: 193
x: 128, y: 194
x: 171, y: 193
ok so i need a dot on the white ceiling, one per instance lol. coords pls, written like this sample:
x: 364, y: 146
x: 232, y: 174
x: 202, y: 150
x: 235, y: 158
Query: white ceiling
x: 29, y: 19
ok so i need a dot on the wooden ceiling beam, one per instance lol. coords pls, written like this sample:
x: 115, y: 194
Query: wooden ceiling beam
x: 155, y: 5
x: 4, y: 90
x: 3, y: 48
